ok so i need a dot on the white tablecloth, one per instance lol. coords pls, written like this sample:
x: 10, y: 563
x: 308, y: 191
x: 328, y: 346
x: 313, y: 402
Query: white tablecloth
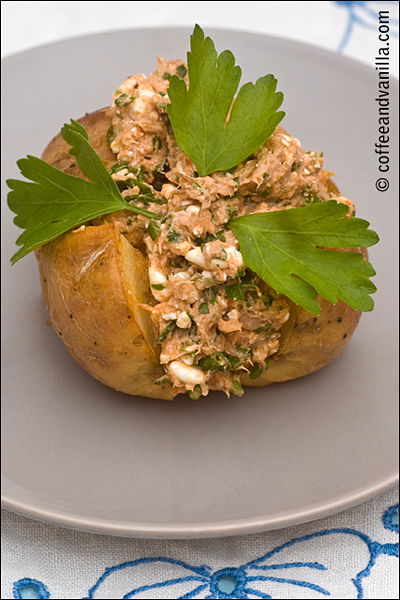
x: 350, y: 555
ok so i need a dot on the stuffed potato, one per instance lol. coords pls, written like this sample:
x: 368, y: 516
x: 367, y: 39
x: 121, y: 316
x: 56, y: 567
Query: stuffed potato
x: 158, y: 308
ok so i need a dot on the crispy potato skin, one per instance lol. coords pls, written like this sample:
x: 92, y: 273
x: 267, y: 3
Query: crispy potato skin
x: 309, y: 342
x: 96, y: 123
x: 93, y: 281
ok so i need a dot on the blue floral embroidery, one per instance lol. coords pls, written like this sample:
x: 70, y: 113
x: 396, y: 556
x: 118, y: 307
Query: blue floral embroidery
x: 244, y: 581
x: 363, y: 13
x: 391, y: 518
x: 30, y: 588
x: 253, y: 579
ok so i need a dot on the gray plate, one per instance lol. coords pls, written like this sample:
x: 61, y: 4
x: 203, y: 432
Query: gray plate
x: 81, y: 455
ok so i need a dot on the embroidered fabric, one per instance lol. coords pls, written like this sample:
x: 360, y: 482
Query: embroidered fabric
x: 350, y: 555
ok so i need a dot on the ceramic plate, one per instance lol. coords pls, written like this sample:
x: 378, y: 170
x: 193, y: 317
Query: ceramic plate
x: 78, y: 454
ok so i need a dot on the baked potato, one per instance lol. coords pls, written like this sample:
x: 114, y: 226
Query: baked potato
x: 113, y: 318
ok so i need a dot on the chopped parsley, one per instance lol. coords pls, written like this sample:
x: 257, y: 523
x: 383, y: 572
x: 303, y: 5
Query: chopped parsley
x: 235, y: 291
x: 231, y: 210
x: 118, y: 166
x: 153, y: 230
x: 214, y: 362
x: 196, y: 392
x: 123, y: 100
x: 162, y: 381
x: 204, y: 308
x: 311, y: 198
x: 111, y: 133
x: 157, y: 143
x: 173, y: 237
x: 181, y: 70
x: 210, y: 237
x: 236, y: 388
x: 255, y: 371
x: 165, y: 333
x: 266, y: 327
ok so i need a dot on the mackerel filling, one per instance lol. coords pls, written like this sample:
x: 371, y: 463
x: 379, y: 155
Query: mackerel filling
x: 215, y: 318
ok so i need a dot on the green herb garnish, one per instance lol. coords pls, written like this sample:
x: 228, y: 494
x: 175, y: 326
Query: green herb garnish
x: 198, y: 114
x: 181, y: 70
x: 165, y: 332
x: 266, y: 327
x: 162, y: 381
x: 231, y: 210
x: 153, y: 230
x: 119, y: 166
x: 111, y: 133
x: 311, y: 199
x: 255, y: 371
x: 54, y: 202
x: 210, y: 237
x: 235, y: 291
x: 236, y: 388
x: 212, y: 292
x: 158, y: 286
x: 196, y: 392
x: 237, y: 361
x: 296, y: 252
x: 215, y: 362
x: 204, y: 308
x: 142, y: 174
x: 123, y: 100
x: 173, y: 236
x: 284, y: 249
x: 157, y: 143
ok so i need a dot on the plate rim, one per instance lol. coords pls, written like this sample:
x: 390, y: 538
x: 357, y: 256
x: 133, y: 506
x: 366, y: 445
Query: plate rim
x: 204, y: 530
x: 242, y: 526
x: 207, y: 30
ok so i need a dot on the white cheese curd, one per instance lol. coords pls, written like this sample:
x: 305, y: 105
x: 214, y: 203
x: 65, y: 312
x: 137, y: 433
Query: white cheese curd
x: 193, y: 210
x: 170, y: 316
x: 158, y: 278
x: 188, y: 359
x: 185, y: 373
x: 196, y: 256
x: 235, y: 255
x: 144, y: 90
x: 184, y: 321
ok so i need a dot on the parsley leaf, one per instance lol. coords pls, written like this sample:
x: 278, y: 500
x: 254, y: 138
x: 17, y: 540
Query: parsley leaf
x: 199, y: 114
x: 284, y: 249
x: 54, y: 202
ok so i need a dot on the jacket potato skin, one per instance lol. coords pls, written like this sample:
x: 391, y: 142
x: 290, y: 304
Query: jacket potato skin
x: 96, y: 124
x: 309, y: 342
x: 93, y: 283
x: 108, y: 337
